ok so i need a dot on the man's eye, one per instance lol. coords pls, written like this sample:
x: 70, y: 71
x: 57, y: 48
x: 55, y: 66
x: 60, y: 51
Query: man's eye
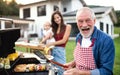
x: 80, y: 21
x: 88, y: 20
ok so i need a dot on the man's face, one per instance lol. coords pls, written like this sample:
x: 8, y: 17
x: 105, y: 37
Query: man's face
x: 85, y: 23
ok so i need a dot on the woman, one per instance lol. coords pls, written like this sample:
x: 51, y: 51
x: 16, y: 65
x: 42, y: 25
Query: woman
x: 61, y: 34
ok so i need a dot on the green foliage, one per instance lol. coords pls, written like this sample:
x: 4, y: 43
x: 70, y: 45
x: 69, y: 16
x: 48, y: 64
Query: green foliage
x: 118, y: 14
x: 14, y: 10
x: 9, y: 9
x: 3, y: 8
x: 118, y: 18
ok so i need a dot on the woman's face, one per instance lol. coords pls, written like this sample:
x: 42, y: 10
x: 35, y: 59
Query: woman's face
x: 57, y: 19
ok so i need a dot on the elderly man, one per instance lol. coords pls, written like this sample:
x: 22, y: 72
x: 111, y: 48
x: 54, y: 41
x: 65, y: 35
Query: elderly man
x: 94, y: 52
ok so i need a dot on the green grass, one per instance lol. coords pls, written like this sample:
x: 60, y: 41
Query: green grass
x: 69, y: 50
x: 117, y: 52
x: 117, y: 56
x: 117, y: 30
x: 21, y: 49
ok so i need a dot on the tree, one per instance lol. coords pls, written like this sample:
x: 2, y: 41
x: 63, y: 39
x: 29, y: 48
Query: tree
x: 9, y: 9
x: 3, y: 8
x: 118, y: 18
x: 13, y: 8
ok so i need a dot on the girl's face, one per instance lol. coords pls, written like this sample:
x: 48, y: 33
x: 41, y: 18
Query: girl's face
x: 57, y: 19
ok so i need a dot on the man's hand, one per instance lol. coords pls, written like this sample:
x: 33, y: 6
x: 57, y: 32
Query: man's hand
x: 75, y: 71
x: 72, y: 71
x: 69, y: 65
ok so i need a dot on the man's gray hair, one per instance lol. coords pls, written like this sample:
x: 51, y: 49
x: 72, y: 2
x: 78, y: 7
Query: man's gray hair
x: 86, y: 8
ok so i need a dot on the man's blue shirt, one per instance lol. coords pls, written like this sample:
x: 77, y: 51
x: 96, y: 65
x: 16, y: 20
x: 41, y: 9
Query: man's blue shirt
x: 103, y: 51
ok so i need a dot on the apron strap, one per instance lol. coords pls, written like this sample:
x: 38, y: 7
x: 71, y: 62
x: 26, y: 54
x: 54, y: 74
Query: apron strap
x: 93, y: 41
x: 78, y: 41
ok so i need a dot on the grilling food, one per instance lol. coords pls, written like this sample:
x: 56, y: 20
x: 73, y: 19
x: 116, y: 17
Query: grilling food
x: 29, y: 67
x: 20, y: 68
x: 1, y: 62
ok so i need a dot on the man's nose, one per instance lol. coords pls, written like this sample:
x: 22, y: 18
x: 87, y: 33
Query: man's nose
x: 84, y: 23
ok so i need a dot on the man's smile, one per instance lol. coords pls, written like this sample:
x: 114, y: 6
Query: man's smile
x: 85, y: 29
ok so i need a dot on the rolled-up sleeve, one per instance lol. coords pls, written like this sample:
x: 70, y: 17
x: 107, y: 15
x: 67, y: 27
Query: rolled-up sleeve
x: 95, y: 72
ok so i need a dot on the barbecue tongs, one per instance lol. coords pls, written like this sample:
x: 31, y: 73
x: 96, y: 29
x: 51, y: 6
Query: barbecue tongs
x: 42, y: 56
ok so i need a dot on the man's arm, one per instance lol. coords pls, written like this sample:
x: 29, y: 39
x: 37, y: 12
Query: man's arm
x: 106, y: 58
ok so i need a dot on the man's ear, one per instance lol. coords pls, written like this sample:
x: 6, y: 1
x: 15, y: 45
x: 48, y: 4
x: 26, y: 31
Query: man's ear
x: 94, y: 21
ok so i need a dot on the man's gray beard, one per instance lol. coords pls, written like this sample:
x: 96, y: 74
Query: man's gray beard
x: 86, y: 36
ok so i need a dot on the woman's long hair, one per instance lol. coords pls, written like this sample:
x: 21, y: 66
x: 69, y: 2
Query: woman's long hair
x: 55, y: 25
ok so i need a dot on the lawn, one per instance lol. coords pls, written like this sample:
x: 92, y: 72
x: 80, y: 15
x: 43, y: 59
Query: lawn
x: 117, y: 52
x: 117, y: 56
x: 116, y: 30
